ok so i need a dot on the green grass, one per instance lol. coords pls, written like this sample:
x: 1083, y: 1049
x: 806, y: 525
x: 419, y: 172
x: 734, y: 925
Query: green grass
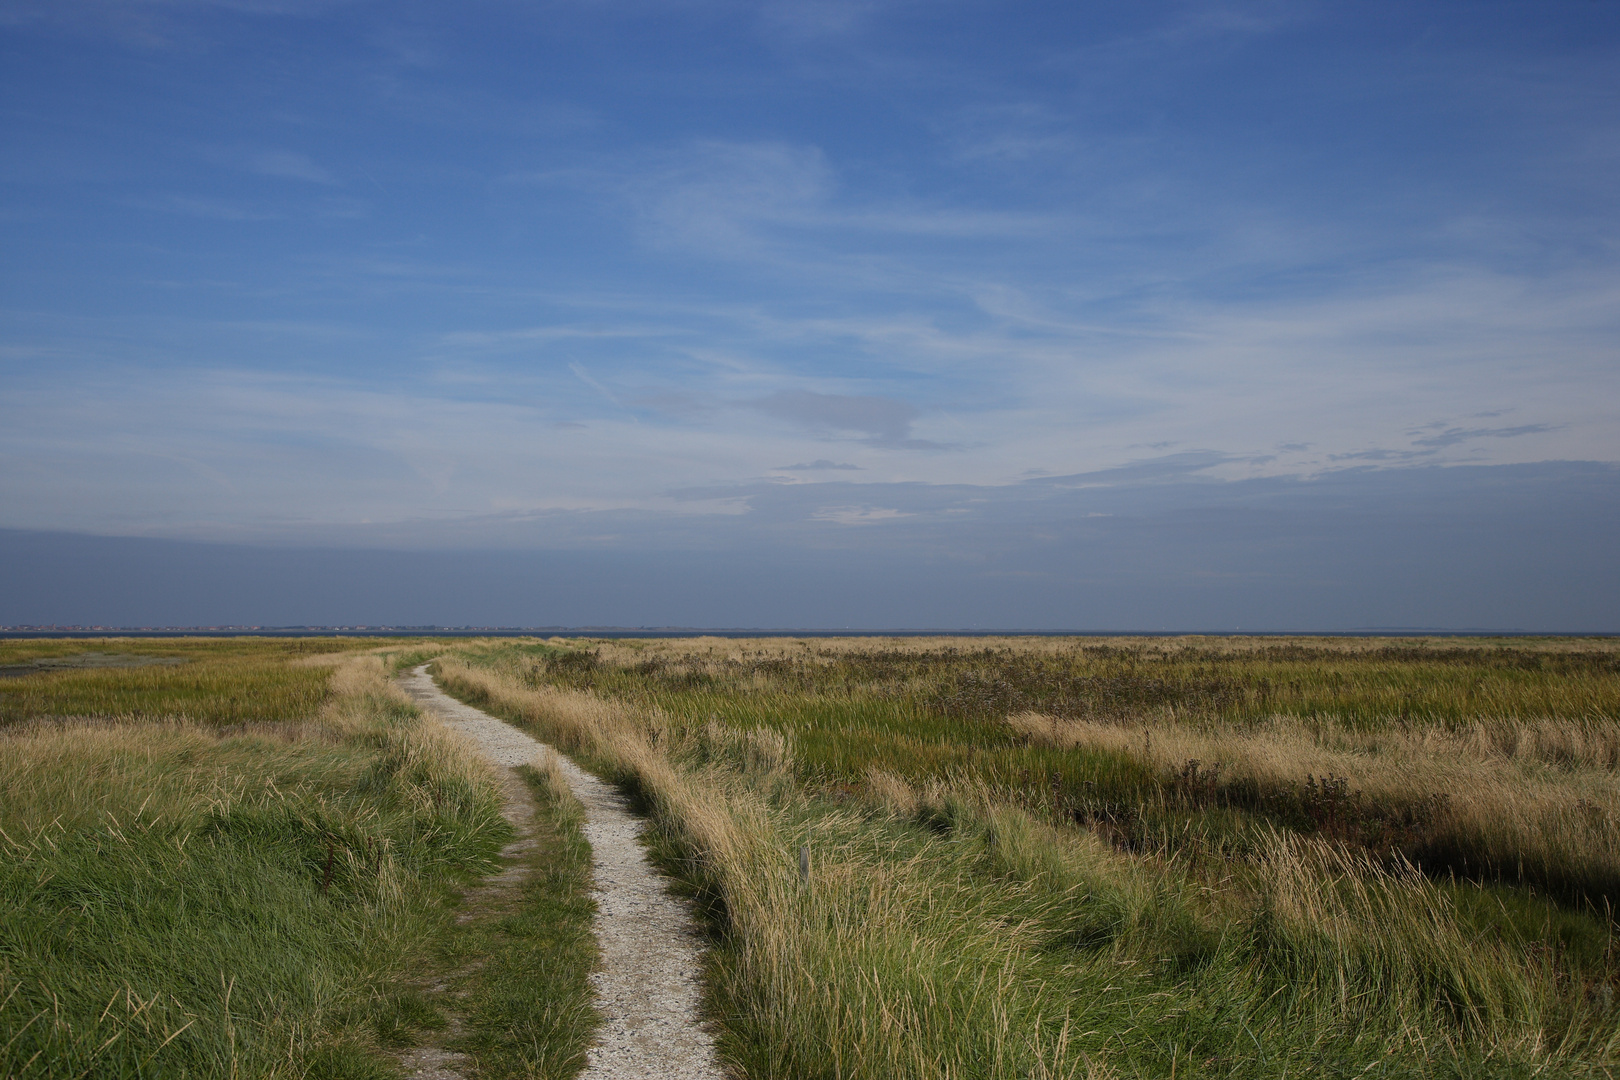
x: 926, y: 709
x: 524, y: 986
x: 213, y: 681
x: 984, y: 905
x: 237, y: 894
x: 1360, y: 682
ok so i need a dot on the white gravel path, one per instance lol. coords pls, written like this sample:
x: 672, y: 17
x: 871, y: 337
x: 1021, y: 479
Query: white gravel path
x: 647, y: 987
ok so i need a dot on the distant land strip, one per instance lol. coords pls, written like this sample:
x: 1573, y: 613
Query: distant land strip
x: 375, y: 630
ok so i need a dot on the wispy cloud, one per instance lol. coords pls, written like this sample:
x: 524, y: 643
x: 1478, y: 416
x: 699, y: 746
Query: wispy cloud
x: 1015, y: 132
x: 1453, y: 436
x: 585, y: 377
x: 819, y: 465
x: 715, y: 196
x: 289, y: 165
x: 883, y: 420
x: 269, y: 161
x: 783, y: 200
x: 858, y: 515
x: 889, y: 243
x: 817, y: 18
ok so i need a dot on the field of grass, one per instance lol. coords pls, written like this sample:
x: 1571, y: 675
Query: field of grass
x: 1155, y: 858
x: 238, y: 859
x: 212, y: 681
x: 917, y: 858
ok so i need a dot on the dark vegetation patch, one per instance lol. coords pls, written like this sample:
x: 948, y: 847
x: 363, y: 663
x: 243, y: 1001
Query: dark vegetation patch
x: 81, y: 661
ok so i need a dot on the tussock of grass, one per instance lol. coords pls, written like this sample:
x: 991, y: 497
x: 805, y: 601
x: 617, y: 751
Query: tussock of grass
x: 1350, y: 941
x: 181, y: 898
x: 960, y: 919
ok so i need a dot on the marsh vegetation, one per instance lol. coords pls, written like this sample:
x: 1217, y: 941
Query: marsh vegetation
x: 916, y: 858
x: 242, y: 858
x: 1165, y: 857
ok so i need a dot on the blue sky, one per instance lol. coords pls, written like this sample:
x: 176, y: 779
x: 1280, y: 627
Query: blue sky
x: 999, y: 300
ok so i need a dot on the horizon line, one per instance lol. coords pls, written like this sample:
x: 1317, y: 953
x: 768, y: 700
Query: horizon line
x: 45, y: 630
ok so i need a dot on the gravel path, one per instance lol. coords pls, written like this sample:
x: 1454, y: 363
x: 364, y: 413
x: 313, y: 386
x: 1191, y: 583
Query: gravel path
x: 647, y: 987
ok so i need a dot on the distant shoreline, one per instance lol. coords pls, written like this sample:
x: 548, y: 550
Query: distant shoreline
x: 15, y: 632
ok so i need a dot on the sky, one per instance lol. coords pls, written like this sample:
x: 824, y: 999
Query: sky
x: 1158, y: 316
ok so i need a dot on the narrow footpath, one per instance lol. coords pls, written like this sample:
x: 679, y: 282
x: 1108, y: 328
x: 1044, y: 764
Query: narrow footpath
x: 647, y: 987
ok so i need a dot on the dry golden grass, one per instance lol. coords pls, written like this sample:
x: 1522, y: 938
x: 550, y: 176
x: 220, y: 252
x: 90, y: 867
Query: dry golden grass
x: 817, y: 962
x: 946, y: 929
x: 1538, y: 792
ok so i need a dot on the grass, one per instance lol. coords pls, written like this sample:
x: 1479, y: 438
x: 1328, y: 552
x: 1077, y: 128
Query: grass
x: 1018, y: 868
x: 1488, y: 758
x: 209, y: 681
x: 518, y: 968
x: 1037, y: 858
x: 225, y: 867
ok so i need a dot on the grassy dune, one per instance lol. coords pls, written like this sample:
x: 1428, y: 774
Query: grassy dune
x: 1158, y: 858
